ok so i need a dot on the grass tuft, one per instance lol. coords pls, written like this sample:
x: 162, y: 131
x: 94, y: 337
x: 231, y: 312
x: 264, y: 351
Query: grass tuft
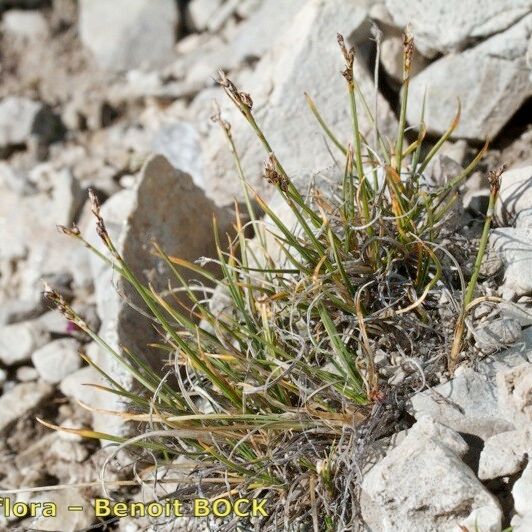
x: 279, y: 396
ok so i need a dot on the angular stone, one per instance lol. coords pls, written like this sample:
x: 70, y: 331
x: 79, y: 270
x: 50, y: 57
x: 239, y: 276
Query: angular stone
x: 22, y: 118
x: 440, y: 27
x: 304, y: 58
x: 423, y: 485
x: 57, y: 359
x: 514, y: 247
x: 126, y: 34
x: 165, y: 207
x: 20, y: 400
x: 467, y: 403
x: 515, y: 394
x: 515, y: 195
x: 491, y: 80
x: 19, y: 340
x: 522, y: 495
x: 498, y: 333
x: 505, y: 454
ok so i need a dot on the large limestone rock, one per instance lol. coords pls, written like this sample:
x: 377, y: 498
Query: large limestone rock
x: 491, y: 80
x: 165, y: 207
x: 522, y: 495
x: 515, y: 195
x: 422, y: 484
x: 440, y: 26
x: 305, y: 58
x: 482, y: 401
x: 514, y: 247
x: 126, y: 34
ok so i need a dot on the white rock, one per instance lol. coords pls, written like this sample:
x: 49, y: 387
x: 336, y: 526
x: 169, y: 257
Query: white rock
x: 278, y: 93
x: 491, y: 80
x: 515, y: 195
x: 30, y: 25
x: 65, y: 520
x: 392, y: 57
x: 514, y: 247
x: 201, y: 11
x: 180, y: 144
x: 20, y: 400
x: 22, y: 118
x: 514, y: 388
x: 77, y: 385
x: 18, y: 310
x: 27, y: 374
x: 57, y: 359
x: 497, y: 333
x: 126, y: 34
x: 423, y: 485
x: 439, y: 25
x: 522, y: 495
x: 505, y: 454
x: 467, y: 403
x: 19, y: 340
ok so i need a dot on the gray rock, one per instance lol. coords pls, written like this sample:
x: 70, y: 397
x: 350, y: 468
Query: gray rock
x: 392, y: 56
x: 21, y: 400
x: 515, y: 394
x: 75, y: 385
x: 180, y: 144
x: 27, y: 374
x: 514, y: 247
x: 127, y: 34
x: 65, y: 520
x: 488, y: 100
x: 522, y: 495
x: 19, y: 340
x: 30, y: 25
x: 422, y: 484
x: 3, y: 376
x: 165, y: 207
x: 22, y: 119
x: 515, y: 195
x: 467, y: 403
x: 202, y: 11
x: 505, y: 454
x: 440, y: 27
x: 496, y: 334
x: 15, y: 311
x: 57, y: 359
x: 278, y: 93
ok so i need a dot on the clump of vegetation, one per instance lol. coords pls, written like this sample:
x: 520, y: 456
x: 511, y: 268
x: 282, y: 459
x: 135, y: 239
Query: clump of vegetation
x: 280, y: 396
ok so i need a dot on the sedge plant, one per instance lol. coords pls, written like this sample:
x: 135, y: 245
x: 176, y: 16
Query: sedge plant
x: 279, y: 397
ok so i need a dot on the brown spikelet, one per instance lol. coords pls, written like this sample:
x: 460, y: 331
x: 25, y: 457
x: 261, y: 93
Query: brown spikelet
x: 408, y: 52
x: 349, y: 57
x: 216, y: 117
x: 272, y: 175
x: 69, y: 231
x: 242, y: 99
x: 494, y: 179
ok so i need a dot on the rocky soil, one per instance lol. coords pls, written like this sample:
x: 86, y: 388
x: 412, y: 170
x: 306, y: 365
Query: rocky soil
x: 118, y: 95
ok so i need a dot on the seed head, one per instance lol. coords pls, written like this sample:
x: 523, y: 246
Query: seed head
x: 349, y: 57
x: 408, y: 52
x: 272, y: 175
x: 494, y: 179
x: 241, y: 99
